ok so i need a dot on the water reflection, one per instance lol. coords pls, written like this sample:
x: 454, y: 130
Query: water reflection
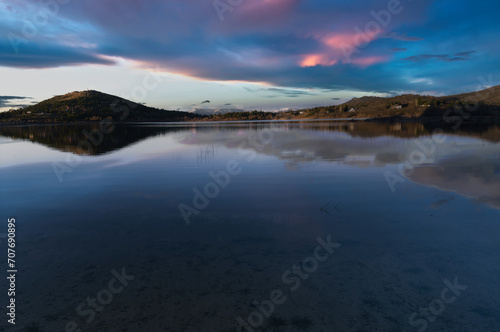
x: 67, y: 137
x: 454, y: 165
x: 119, y: 208
x: 474, y: 177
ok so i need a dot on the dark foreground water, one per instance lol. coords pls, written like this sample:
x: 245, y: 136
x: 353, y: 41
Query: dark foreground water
x: 252, y: 227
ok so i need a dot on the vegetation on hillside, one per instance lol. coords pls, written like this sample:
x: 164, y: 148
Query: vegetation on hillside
x: 482, y: 103
x: 85, y: 106
x: 88, y: 106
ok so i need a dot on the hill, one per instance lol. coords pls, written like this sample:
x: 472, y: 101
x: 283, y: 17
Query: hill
x: 483, y: 103
x: 487, y: 96
x: 84, y: 106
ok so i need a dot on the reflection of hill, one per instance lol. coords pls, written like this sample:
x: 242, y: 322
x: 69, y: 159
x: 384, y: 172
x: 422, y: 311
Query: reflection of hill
x: 370, y: 129
x: 354, y: 143
x: 464, y: 163
x: 489, y: 132
x: 68, y: 137
x: 468, y: 177
x: 453, y: 165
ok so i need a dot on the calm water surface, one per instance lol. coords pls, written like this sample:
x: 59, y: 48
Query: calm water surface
x: 293, y: 226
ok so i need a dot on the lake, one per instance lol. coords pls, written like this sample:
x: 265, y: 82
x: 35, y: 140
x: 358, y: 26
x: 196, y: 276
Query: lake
x: 260, y: 226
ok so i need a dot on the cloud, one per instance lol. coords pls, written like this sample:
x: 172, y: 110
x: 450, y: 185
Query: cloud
x: 6, y: 101
x: 418, y: 58
x: 287, y: 43
x: 402, y: 37
x: 289, y: 93
x: 36, y: 55
x: 283, y: 92
x: 4, y: 98
x: 465, y: 54
x: 462, y: 56
x: 368, y: 61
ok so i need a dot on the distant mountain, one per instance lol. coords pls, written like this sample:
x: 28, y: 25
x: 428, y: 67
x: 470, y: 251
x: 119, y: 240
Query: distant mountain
x: 216, y: 111
x: 91, y: 106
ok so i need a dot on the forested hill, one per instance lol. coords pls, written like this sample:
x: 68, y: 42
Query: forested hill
x: 481, y: 103
x: 83, y: 106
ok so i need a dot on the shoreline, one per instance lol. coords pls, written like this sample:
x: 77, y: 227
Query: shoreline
x: 472, y: 119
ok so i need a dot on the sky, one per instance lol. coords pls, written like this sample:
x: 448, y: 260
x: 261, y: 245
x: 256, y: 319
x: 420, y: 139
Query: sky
x: 246, y: 54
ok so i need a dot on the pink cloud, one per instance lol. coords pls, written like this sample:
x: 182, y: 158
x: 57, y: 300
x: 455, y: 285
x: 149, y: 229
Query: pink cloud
x: 369, y: 61
x: 311, y: 60
x: 337, y: 45
x: 348, y: 40
x: 258, y: 14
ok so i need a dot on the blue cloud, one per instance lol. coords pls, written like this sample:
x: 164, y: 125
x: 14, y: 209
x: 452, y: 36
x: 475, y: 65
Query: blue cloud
x: 36, y: 55
x: 426, y: 46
